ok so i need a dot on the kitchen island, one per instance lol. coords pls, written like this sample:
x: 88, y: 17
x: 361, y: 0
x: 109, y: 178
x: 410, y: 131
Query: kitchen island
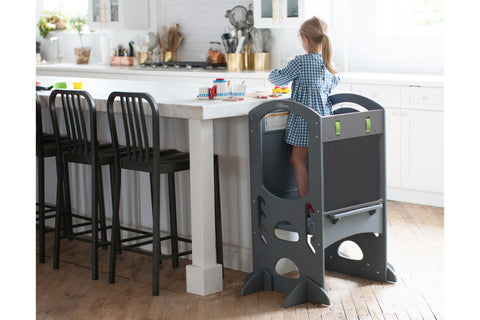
x: 202, y: 127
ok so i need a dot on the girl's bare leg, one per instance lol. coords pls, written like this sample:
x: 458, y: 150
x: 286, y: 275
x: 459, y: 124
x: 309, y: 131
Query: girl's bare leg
x: 297, y: 159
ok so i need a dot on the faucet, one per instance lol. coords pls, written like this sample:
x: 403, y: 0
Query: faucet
x: 59, y: 55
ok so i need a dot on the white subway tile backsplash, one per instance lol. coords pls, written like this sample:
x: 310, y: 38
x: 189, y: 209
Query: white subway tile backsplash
x: 201, y: 21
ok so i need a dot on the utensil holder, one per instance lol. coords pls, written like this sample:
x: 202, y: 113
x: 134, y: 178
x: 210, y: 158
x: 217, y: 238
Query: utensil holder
x: 234, y: 61
x: 261, y: 61
x: 121, y: 61
x: 142, y: 57
x: 169, y: 56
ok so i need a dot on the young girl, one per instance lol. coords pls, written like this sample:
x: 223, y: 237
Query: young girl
x: 313, y: 76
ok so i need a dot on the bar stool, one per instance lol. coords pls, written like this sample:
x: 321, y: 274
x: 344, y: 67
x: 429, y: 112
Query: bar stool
x: 82, y: 147
x: 45, y: 148
x: 144, y: 154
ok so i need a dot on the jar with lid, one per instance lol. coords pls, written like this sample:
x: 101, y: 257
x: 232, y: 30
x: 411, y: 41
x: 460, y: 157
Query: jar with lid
x: 215, y: 54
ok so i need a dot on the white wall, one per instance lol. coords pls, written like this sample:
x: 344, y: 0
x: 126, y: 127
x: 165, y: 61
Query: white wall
x: 357, y: 46
x: 353, y: 31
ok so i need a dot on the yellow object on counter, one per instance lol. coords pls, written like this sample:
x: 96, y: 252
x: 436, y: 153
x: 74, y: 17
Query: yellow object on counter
x: 78, y: 85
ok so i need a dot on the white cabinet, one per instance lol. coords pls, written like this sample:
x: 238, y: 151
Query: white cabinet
x: 288, y: 13
x: 104, y: 13
x: 414, y: 134
x: 393, y: 144
x: 128, y: 14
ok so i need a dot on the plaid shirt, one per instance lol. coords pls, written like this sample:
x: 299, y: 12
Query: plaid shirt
x: 311, y: 86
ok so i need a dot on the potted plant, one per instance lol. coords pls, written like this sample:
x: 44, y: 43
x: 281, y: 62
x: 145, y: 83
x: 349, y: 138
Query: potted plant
x: 82, y: 54
x: 50, y: 21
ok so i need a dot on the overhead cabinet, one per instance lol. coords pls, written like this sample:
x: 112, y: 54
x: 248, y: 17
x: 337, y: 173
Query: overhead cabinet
x: 288, y: 13
x: 128, y: 14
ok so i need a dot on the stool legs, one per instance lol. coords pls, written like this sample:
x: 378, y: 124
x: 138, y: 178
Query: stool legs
x: 95, y: 170
x: 115, y: 178
x: 58, y: 213
x: 155, y: 187
x: 173, y: 219
x: 41, y: 208
x: 218, y: 212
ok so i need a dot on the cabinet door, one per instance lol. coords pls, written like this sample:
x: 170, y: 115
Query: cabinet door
x: 393, y: 144
x: 288, y: 13
x: 422, y: 150
x: 104, y: 13
x: 387, y: 96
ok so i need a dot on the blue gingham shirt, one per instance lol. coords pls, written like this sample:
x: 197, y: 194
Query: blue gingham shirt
x: 311, y: 86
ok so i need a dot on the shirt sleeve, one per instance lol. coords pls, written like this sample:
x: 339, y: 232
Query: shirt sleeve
x: 283, y: 76
x: 335, y: 80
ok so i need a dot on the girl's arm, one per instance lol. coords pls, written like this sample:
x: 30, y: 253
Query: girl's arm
x: 283, y: 76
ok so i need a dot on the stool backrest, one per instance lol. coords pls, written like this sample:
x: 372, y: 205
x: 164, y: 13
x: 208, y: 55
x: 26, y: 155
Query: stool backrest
x: 134, y: 108
x: 75, y: 105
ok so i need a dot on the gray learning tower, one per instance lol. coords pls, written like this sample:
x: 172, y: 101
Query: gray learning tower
x: 346, y: 171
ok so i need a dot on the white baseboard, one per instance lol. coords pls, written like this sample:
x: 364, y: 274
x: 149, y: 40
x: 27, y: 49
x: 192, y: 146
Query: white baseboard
x: 415, y: 196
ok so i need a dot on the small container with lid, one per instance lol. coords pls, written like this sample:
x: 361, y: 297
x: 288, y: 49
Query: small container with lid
x: 222, y: 89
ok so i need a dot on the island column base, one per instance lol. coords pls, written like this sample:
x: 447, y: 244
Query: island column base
x: 204, y: 280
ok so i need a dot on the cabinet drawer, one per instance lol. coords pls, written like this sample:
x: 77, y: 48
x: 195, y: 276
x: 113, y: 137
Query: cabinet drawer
x: 422, y: 98
x: 387, y: 96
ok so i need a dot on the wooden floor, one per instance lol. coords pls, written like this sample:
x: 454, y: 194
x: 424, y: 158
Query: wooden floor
x: 415, y: 247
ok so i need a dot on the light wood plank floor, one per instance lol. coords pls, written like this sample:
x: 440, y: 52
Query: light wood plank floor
x: 415, y: 247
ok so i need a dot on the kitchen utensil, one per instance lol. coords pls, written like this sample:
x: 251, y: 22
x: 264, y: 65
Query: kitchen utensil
x: 130, y: 49
x: 249, y: 16
x: 237, y: 17
x: 228, y: 39
x: 257, y: 42
x: 266, y: 40
x: 240, y: 44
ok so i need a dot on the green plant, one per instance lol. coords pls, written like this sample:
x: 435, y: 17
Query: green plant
x: 77, y: 24
x: 50, y: 21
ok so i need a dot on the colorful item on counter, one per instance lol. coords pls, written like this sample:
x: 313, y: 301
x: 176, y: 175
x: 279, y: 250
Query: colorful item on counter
x: 281, y: 89
x: 222, y: 90
x: 78, y: 85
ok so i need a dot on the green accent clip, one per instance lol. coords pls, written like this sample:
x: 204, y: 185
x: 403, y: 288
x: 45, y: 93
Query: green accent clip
x: 337, y: 128
x: 368, y: 125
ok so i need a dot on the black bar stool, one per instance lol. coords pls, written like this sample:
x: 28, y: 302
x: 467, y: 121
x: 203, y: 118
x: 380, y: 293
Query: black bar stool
x: 81, y: 147
x: 45, y: 148
x: 144, y: 154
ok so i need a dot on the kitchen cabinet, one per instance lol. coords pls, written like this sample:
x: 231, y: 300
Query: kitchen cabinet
x: 128, y: 14
x: 288, y: 13
x: 414, y: 136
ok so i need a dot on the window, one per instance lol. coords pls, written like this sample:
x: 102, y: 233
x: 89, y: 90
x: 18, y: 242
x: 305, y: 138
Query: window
x: 67, y: 7
x: 409, y: 17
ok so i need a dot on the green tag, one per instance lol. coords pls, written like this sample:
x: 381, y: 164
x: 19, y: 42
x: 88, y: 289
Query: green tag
x: 337, y: 128
x: 368, y: 124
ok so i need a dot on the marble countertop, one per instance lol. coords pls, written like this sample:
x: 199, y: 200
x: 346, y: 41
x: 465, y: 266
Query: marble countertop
x: 346, y: 77
x: 177, y: 100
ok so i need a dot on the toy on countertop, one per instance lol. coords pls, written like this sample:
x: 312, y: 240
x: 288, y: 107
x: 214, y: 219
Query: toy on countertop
x: 281, y: 90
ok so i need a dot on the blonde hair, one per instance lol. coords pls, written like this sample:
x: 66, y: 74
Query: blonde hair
x: 315, y: 29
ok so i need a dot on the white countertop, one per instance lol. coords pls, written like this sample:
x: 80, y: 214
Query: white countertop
x: 346, y: 77
x: 177, y: 100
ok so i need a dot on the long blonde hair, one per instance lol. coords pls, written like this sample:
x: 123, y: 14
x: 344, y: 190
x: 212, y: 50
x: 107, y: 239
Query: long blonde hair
x: 315, y: 29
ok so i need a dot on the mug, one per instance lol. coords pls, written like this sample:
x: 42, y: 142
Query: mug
x: 206, y: 93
